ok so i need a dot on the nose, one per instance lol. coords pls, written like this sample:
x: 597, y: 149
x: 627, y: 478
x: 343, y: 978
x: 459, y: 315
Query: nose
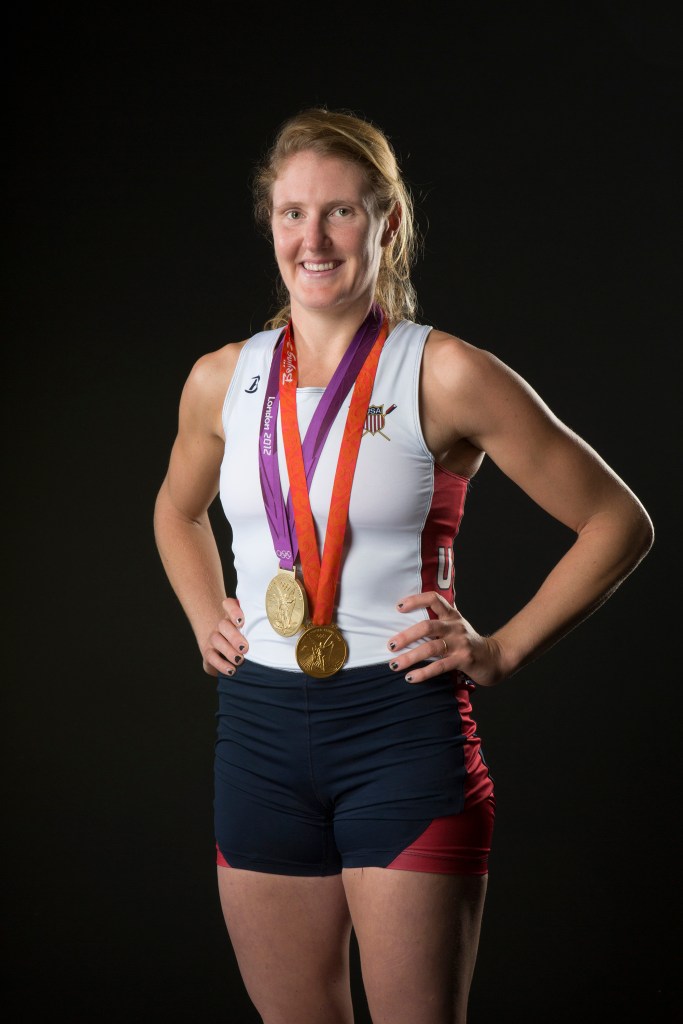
x: 315, y: 235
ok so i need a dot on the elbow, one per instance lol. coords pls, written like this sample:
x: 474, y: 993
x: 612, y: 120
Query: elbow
x: 646, y: 533
x: 641, y: 534
x: 625, y: 533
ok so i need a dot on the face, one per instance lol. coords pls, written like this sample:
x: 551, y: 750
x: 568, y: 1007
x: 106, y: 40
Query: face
x: 328, y: 238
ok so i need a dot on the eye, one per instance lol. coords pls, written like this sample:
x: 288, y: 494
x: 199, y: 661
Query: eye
x: 343, y: 211
x: 292, y: 214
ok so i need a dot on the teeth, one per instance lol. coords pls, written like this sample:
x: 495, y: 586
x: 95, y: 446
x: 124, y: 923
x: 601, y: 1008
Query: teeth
x: 318, y: 266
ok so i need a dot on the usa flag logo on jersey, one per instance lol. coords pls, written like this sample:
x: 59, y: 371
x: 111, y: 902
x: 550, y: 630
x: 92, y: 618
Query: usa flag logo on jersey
x: 376, y: 420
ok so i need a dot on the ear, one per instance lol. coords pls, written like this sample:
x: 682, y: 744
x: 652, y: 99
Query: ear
x: 393, y: 224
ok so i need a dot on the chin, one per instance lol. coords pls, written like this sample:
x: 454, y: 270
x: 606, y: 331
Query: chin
x: 321, y: 302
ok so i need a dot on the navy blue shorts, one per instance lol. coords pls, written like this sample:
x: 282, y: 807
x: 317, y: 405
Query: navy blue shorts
x: 359, y: 770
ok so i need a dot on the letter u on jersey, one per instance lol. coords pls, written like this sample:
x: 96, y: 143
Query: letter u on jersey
x: 444, y: 579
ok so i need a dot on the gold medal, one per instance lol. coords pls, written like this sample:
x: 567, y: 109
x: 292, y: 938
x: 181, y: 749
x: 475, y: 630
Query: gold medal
x: 321, y: 651
x: 286, y: 604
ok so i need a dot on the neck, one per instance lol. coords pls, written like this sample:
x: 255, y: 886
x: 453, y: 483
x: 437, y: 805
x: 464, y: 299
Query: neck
x: 322, y: 337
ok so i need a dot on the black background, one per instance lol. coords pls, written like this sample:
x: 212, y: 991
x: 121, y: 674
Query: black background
x: 541, y: 147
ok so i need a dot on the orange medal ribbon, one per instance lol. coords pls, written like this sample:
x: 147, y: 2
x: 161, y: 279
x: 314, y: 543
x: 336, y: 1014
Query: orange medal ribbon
x: 321, y: 578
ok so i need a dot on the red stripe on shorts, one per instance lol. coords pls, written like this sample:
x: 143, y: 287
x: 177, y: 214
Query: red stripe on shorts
x: 458, y: 844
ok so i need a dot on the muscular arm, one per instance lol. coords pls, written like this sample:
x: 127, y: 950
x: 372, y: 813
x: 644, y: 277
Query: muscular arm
x: 473, y: 404
x: 181, y: 522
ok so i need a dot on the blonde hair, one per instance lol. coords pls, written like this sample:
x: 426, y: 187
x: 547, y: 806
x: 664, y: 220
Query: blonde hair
x: 345, y: 135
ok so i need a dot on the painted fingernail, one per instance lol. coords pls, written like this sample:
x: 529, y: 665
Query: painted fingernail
x: 394, y: 665
x: 230, y: 672
x: 237, y: 659
x: 241, y: 647
x: 400, y: 604
x: 392, y: 646
x: 238, y: 621
x: 409, y: 679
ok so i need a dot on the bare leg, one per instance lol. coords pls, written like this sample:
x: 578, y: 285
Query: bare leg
x: 418, y: 935
x: 291, y: 939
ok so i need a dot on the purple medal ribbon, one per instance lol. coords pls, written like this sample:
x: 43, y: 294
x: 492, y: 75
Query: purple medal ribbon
x: 281, y: 515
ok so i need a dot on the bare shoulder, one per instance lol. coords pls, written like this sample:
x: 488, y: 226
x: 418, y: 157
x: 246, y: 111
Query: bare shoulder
x: 460, y: 364
x: 206, y: 386
x: 475, y: 390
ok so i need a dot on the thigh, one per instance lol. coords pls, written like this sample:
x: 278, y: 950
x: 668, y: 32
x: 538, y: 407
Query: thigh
x: 291, y: 939
x: 418, y: 935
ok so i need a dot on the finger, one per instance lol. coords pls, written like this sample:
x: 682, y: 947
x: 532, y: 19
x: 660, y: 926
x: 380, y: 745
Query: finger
x: 215, y: 664
x: 229, y: 649
x: 417, y: 656
x: 429, y: 599
x: 234, y: 637
x: 434, y: 650
x: 229, y: 628
x: 420, y: 631
x: 232, y: 609
x: 430, y: 671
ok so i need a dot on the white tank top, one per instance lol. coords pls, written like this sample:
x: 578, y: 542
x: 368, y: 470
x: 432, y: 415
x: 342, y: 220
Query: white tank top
x: 404, y: 512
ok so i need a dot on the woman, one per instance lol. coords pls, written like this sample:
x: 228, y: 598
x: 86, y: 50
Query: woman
x: 350, y: 785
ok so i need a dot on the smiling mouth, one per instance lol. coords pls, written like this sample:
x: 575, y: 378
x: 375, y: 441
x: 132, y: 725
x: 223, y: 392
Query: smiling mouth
x: 318, y: 267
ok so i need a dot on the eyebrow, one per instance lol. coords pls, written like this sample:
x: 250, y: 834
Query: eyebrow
x: 331, y: 202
